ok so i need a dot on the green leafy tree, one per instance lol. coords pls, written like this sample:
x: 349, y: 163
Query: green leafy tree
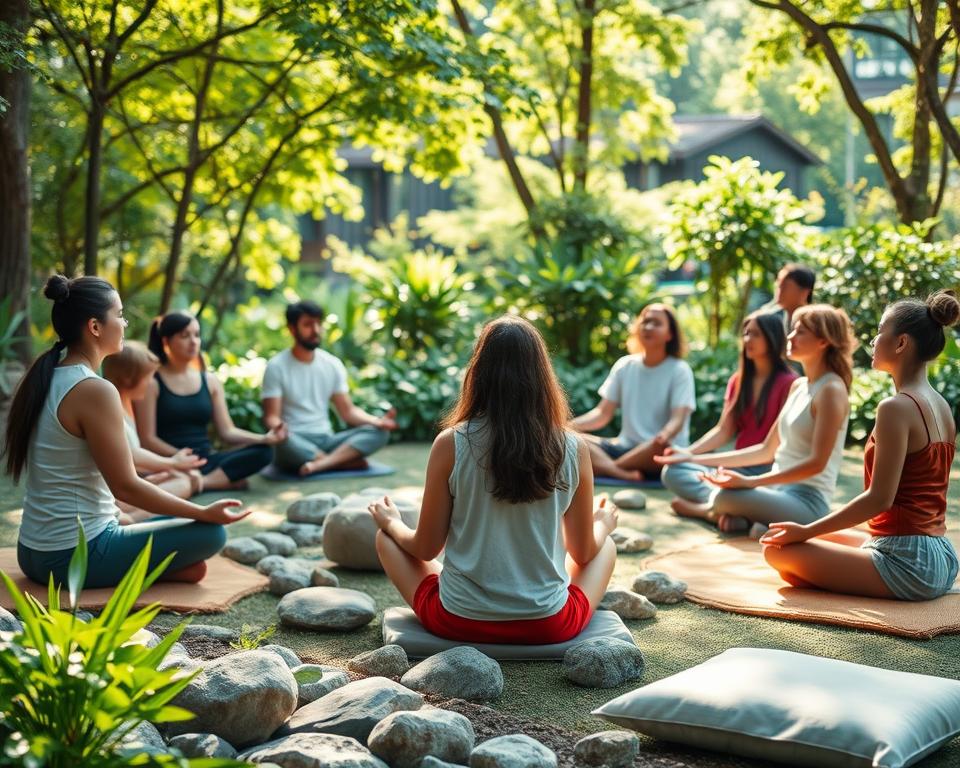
x: 738, y: 227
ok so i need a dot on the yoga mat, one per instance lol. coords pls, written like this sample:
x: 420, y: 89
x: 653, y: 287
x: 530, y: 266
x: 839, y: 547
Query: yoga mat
x: 603, y: 480
x: 374, y: 469
x: 733, y: 576
x: 225, y: 583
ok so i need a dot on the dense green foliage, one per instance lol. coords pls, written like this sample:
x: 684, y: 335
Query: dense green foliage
x: 70, y: 689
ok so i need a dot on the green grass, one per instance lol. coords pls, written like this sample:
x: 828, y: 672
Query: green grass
x: 680, y: 637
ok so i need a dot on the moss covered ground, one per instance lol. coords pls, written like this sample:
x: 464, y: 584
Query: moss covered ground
x: 680, y: 637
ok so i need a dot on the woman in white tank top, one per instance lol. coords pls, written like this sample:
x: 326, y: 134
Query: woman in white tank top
x: 805, y: 444
x: 509, y: 497
x: 66, y: 434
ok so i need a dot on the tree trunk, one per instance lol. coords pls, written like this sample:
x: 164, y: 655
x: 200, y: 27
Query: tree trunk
x: 91, y: 218
x: 581, y: 151
x: 15, y: 181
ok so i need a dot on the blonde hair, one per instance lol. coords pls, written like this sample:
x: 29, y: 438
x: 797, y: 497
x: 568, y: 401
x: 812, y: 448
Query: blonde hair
x: 834, y: 327
x: 126, y: 368
x: 676, y: 347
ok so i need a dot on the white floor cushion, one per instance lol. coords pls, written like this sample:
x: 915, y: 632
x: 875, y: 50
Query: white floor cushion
x: 401, y: 627
x: 796, y: 709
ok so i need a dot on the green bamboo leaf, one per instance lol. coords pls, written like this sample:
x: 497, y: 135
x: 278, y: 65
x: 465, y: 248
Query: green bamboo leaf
x: 77, y: 570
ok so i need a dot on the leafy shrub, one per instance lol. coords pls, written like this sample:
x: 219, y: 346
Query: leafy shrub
x: 712, y: 368
x: 738, y: 226
x: 241, y: 385
x: 864, y: 269
x: 70, y: 690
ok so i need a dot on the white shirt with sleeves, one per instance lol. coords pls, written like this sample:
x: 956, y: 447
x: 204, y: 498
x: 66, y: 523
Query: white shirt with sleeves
x: 647, y: 395
x: 305, y: 388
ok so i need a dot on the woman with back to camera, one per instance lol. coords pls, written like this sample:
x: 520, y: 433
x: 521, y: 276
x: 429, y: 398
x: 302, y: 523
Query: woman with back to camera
x: 66, y: 434
x: 182, y: 400
x: 755, y: 394
x: 508, y: 497
x: 805, y: 442
x: 906, y: 466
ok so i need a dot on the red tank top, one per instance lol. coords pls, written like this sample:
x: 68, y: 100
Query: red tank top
x: 920, y: 506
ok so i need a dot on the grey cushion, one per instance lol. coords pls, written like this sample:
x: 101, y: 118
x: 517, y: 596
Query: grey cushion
x: 796, y: 709
x: 401, y: 627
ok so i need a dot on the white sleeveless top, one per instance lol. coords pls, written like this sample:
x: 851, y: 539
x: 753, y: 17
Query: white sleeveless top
x: 130, y: 432
x: 796, y: 436
x: 503, y: 561
x: 62, y: 479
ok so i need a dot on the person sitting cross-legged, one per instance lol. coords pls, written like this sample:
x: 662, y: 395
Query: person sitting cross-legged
x: 508, y: 497
x: 299, y: 386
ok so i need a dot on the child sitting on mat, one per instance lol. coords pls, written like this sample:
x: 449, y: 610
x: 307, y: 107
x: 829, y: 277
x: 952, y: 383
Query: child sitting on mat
x: 130, y: 371
x: 653, y: 386
x: 806, y: 442
x: 65, y: 431
x: 509, y: 498
x: 755, y: 394
x: 906, y: 467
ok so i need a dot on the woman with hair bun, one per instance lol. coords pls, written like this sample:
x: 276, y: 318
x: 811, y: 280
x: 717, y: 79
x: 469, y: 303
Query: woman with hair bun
x: 906, y: 554
x: 66, y: 434
x: 805, y: 442
x: 181, y: 401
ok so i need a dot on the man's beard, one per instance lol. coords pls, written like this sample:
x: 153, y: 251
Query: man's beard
x: 308, y: 344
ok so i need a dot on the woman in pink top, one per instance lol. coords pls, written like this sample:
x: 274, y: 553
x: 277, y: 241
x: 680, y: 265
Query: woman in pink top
x: 755, y: 394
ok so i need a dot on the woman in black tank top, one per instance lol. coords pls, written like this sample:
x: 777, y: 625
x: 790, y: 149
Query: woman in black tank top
x: 184, y: 400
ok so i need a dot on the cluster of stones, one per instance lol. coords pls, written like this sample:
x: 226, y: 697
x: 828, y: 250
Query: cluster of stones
x: 266, y: 707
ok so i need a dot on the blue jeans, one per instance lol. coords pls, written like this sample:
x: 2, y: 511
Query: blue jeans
x: 110, y: 555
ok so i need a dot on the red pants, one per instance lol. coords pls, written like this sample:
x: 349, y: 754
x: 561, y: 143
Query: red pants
x: 564, y: 625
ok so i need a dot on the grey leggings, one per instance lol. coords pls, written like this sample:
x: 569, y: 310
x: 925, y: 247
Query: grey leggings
x: 684, y: 480
x: 796, y: 503
x: 301, y: 447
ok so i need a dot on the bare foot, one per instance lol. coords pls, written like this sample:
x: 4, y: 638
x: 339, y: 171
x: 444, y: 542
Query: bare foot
x: 631, y: 475
x: 238, y: 485
x: 191, y: 574
x: 732, y: 524
x: 685, y: 508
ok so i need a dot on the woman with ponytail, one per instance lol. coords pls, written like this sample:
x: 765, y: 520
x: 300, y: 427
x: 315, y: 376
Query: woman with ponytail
x: 805, y: 442
x: 181, y: 401
x: 509, y: 499
x: 65, y: 434
x: 906, y: 468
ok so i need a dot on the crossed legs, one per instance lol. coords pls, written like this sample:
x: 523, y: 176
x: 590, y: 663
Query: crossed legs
x: 835, y: 563
x: 406, y: 572
x: 633, y: 465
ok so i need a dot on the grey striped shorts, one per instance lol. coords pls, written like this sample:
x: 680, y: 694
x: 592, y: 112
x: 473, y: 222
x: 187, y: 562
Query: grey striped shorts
x: 914, y: 567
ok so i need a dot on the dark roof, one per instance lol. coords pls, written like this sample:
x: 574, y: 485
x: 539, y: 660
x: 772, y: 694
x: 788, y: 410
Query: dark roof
x: 696, y: 133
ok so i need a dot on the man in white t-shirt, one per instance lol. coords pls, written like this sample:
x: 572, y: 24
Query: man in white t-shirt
x: 299, y: 386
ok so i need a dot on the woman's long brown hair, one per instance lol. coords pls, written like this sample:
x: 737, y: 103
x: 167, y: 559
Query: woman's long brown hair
x: 510, y: 384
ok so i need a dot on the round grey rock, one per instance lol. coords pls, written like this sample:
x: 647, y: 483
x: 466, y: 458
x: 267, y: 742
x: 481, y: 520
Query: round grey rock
x: 321, y: 577
x: 272, y: 562
x: 242, y: 698
x: 403, y: 739
x: 658, y: 587
x: 202, y: 745
x: 289, y: 578
x: 211, y: 631
x: 629, y: 541
x: 316, y: 680
x: 603, y: 662
x: 143, y: 739
x: 513, y: 751
x: 276, y: 543
x: 349, y: 536
x: 289, y: 657
x: 627, y: 604
x: 630, y: 498
x: 460, y: 673
x: 326, y: 608
x: 611, y: 749
x: 305, y: 534
x: 354, y: 709
x: 244, y: 549
x: 388, y: 661
x: 178, y: 656
x: 9, y: 622
x: 314, y: 750
x: 312, y: 509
